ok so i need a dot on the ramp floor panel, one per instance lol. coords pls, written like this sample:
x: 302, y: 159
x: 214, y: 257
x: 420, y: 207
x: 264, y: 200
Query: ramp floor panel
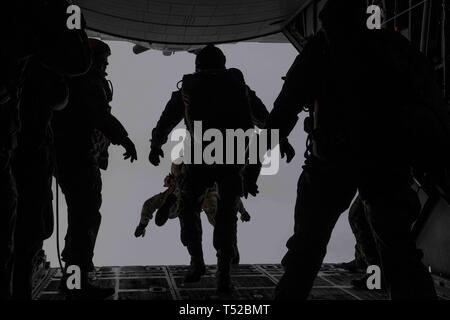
x: 252, y: 282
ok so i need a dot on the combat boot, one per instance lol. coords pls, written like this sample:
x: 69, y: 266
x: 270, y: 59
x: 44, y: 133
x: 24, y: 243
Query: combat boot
x: 90, y: 291
x: 352, y: 266
x: 87, y: 291
x: 197, y: 267
x: 361, y: 283
x: 223, y: 275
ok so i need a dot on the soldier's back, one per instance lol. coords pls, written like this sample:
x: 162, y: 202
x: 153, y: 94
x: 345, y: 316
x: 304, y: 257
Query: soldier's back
x: 218, y: 98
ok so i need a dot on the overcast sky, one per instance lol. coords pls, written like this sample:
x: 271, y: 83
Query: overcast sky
x: 142, y: 86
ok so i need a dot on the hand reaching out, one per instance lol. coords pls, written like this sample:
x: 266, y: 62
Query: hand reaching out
x: 130, y: 150
x: 140, y: 231
x: 155, y: 155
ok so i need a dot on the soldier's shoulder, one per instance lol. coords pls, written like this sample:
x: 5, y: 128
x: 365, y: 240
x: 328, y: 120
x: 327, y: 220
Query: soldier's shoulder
x: 188, y: 76
x: 176, y: 95
x: 236, y: 73
x: 188, y: 79
x: 316, y: 42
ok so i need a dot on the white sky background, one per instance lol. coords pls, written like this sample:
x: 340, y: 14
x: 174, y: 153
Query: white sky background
x: 142, y: 86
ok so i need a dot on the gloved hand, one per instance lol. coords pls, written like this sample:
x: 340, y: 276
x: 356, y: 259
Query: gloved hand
x: 245, y: 216
x: 130, y: 150
x: 155, y: 155
x: 250, y: 189
x: 250, y: 178
x: 287, y: 150
x: 140, y: 231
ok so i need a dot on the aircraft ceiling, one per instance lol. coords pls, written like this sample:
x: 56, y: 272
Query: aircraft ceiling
x: 188, y: 22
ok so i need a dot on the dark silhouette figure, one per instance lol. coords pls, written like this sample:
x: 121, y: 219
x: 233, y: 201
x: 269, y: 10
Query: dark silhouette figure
x: 43, y: 92
x: 217, y: 97
x: 357, y: 85
x: 82, y: 133
x: 220, y: 99
x: 28, y: 29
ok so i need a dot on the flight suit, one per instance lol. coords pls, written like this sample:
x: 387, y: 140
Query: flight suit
x: 356, y: 147
x: 78, y: 162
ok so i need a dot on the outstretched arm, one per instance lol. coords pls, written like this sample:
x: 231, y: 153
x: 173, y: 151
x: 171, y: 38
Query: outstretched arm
x: 245, y: 216
x: 299, y: 90
x: 101, y: 118
x: 171, y: 116
x: 259, y: 116
x: 97, y: 106
x: 258, y: 109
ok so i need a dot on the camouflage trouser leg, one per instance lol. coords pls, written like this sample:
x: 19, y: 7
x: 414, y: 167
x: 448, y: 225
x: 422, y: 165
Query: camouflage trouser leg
x: 81, y: 185
x: 365, y: 249
x: 8, y: 207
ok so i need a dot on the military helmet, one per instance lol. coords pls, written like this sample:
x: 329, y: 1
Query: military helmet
x: 347, y: 14
x: 210, y: 57
x: 99, y: 48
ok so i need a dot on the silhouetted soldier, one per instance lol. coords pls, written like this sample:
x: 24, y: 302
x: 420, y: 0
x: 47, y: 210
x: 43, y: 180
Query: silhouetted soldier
x: 217, y: 97
x: 43, y: 92
x: 79, y: 144
x: 357, y: 86
x: 225, y: 84
x: 28, y: 29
